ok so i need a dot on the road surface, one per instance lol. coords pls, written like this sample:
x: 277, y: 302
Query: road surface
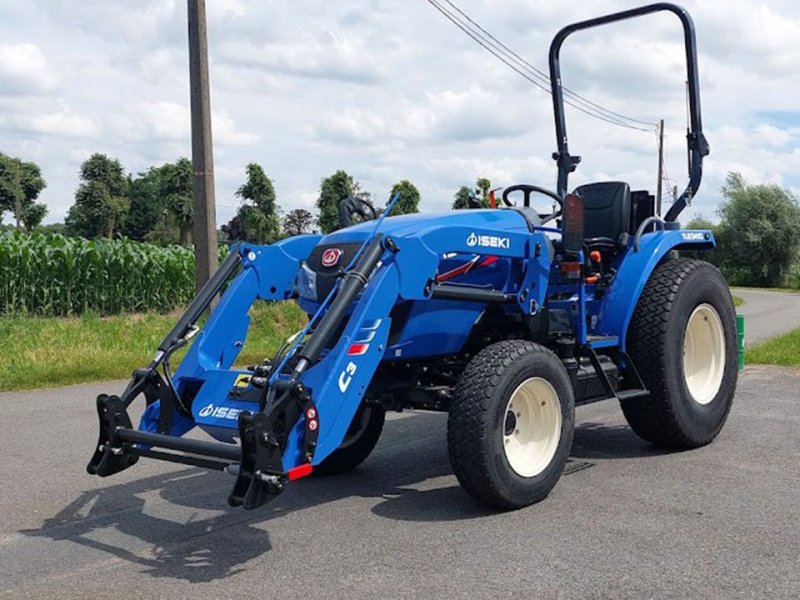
x: 767, y: 313
x: 627, y: 521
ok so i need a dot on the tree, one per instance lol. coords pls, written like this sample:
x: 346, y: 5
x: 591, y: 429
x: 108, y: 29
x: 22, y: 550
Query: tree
x: 102, y: 200
x: 759, y: 232
x: 257, y: 219
x: 91, y: 214
x: 408, y: 202
x: 482, y: 190
x: 461, y: 199
x: 178, y: 192
x: 712, y: 256
x: 332, y: 191
x: 162, y: 204
x: 147, y: 209
x: 258, y: 215
x: 700, y: 222
x: 32, y: 215
x: 233, y: 229
x: 21, y: 183
x: 468, y: 198
x: 298, y: 222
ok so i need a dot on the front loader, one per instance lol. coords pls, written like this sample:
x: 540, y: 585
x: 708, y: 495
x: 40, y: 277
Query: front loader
x: 505, y: 318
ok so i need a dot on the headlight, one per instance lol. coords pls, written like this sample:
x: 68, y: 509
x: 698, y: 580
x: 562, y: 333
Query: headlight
x: 307, y: 283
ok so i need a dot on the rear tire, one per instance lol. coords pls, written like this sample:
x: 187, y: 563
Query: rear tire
x: 682, y: 338
x: 360, y: 440
x: 510, y: 426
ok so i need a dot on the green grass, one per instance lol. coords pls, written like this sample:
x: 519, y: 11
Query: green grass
x: 782, y: 350
x: 737, y: 301
x: 52, y: 351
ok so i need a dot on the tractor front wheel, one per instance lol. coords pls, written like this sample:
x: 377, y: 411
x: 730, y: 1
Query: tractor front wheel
x: 510, y: 425
x: 360, y: 440
x: 682, y: 339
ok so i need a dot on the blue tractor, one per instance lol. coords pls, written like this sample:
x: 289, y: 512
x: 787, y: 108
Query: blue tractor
x: 506, y: 318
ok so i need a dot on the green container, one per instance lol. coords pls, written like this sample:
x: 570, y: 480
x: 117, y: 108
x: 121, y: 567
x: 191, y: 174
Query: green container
x: 740, y: 339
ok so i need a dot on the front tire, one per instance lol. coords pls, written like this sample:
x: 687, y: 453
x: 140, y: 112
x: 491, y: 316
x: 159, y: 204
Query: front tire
x: 510, y: 426
x: 358, y: 443
x: 682, y: 338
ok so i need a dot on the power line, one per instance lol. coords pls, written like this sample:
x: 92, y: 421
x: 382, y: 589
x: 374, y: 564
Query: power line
x: 544, y: 76
x: 534, y: 75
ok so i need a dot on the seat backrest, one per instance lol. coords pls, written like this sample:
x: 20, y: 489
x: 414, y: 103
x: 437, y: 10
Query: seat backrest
x: 607, y: 209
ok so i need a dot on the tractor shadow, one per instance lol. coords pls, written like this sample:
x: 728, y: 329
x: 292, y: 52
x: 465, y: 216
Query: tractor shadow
x: 201, y: 546
x: 593, y: 442
x: 605, y: 441
x: 190, y: 533
x: 177, y: 524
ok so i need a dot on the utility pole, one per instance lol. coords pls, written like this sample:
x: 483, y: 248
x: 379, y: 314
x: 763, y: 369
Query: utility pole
x: 205, y: 219
x: 659, y: 185
x: 17, y: 194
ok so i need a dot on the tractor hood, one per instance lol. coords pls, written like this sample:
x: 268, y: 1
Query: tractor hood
x: 416, y: 224
x: 321, y: 269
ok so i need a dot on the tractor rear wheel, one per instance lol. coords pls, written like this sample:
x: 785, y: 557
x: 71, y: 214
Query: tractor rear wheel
x: 357, y: 444
x: 682, y: 338
x: 510, y: 425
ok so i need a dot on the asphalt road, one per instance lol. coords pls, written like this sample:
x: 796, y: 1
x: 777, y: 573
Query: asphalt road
x: 627, y: 521
x: 767, y: 313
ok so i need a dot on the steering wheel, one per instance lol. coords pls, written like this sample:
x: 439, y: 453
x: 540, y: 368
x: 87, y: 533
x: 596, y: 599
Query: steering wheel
x: 355, y: 210
x: 527, y: 190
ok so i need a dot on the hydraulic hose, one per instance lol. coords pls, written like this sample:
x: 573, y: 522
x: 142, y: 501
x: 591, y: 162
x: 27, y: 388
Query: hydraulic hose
x: 354, y: 282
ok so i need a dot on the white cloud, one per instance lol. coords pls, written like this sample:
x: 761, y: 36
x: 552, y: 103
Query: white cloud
x: 442, y: 117
x: 147, y: 121
x: 24, y: 69
x: 391, y: 90
x: 63, y: 123
x: 327, y: 55
x: 226, y: 133
x: 171, y: 122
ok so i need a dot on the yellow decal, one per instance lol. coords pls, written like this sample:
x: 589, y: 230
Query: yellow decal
x: 242, y: 381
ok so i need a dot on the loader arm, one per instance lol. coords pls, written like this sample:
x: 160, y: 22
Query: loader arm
x: 295, y: 417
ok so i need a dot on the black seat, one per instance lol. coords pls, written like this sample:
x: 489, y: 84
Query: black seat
x: 607, y: 210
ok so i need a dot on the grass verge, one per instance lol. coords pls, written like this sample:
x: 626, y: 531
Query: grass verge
x: 782, y: 350
x: 47, y: 352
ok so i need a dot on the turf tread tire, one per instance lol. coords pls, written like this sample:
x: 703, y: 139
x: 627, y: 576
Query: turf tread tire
x: 667, y: 416
x: 347, y: 458
x: 471, y: 423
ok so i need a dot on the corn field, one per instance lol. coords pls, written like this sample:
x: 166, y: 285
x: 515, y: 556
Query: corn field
x: 54, y: 275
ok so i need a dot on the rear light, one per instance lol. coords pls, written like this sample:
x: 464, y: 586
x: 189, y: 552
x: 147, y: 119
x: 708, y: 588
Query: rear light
x: 572, y: 224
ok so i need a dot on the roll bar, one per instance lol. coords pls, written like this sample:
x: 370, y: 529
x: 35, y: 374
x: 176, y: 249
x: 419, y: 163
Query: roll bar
x: 696, y: 141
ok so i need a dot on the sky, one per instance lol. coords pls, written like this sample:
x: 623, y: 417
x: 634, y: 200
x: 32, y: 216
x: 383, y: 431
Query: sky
x: 392, y: 90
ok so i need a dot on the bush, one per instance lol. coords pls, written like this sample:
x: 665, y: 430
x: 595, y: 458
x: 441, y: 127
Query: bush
x: 759, y: 234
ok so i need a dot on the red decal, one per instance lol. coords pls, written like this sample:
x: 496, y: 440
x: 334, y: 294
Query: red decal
x: 299, y: 471
x: 357, y: 349
x: 331, y: 256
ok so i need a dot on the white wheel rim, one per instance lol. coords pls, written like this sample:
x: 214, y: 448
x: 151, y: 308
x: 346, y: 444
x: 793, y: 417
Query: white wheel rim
x: 704, y: 354
x: 532, y: 427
